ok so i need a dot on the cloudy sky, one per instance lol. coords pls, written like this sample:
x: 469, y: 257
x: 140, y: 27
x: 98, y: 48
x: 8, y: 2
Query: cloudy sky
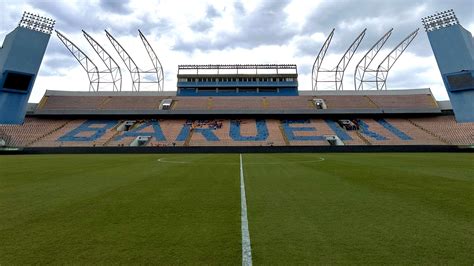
x: 237, y: 32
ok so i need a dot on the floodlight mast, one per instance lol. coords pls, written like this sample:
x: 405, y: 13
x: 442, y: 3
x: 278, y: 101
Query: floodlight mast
x: 364, y: 63
x: 346, y: 58
x: 160, y: 75
x: 86, y: 63
x: 128, y: 61
x: 37, y: 23
x: 440, y: 20
x: 319, y: 60
x: 112, y: 66
x: 387, y: 64
x: 341, y: 66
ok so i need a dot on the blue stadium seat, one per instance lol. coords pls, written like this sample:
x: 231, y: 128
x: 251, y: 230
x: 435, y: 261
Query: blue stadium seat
x: 207, y: 133
x: 397, y: 132
x: 290, y: 130
x: 96, y: 128
x: 366, y: 131
x: 262, y: 131
x: 341, y: 133
x: 157, y: 132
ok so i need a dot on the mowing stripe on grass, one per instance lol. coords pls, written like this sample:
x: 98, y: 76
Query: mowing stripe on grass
x: 246, y: 249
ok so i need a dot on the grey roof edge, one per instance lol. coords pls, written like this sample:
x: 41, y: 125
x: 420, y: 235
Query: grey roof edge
x: 110, y: 93
x: 301, y: 93
x: 237, y: 112
x: 445, y: 105
x: 366, y: 92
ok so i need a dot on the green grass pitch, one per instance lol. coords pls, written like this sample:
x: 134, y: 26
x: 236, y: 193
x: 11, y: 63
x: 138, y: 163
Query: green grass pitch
x: 338, y: 208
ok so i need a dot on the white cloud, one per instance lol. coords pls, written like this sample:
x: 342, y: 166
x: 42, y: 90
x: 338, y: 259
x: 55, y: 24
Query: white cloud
x: 233, y: 31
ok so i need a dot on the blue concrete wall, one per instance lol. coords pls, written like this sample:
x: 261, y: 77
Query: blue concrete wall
x: 239, y: 84
x: 22, y: 53
x: 196, y: 92
x: 454, y: 52
x: 284, y: 88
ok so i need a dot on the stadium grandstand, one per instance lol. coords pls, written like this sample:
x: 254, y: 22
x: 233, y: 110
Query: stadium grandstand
x: 113, y: 119
x: 224, y: 105
x: 235, y: 164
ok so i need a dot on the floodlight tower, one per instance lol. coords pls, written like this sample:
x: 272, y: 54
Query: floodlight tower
x: 160, y: 75
x: 20, y: 59
x: 112, y: 66
x: 341, y: 66
x: 364, y: 63
x: 390, y: 59
x: 453, y: 48
x: 319, y: 60
x: 127, y: 60
x: 139, y: 76
x: 379, y: 75
x: 87, y: 64
x: 346, y: 58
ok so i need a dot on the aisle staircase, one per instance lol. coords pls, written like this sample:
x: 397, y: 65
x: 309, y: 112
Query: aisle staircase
x: 285, y: 138
x: 429, y: 132
x: 46, y: 134
x: 188, y: 138
x: 364, y: 139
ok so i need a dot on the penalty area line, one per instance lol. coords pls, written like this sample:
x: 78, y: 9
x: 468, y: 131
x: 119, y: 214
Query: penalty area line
x: 246, y: 249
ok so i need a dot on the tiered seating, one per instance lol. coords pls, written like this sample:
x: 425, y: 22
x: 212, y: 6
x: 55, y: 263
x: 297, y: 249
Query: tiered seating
x: 110, y: 133
x: 191, y: 103
x: 419, y: 137
x: 249, y: 132
x: 236, y: 103
x: 290, y: 102
x: 66, y: 136
x: 171, y: 130
x: 446, y: 128
x: 276, y: 136
x: 356, y: 139
x: 404, y: 101
x: 51, y: 139
x: 38, y: 132
x: 396, y: 131
x: 347, y: 102
x: 162, y: 132
x: 116, y: 141
x: 250, y: 137
x: 132, y: 103
x: 218, y: 133
x: 226, y: 135
x: 30, y: 131
x: 306, y: 131
x: 75, y: 103
x: 140, y: 102
x: 377, y: 134
x: 348, y: 137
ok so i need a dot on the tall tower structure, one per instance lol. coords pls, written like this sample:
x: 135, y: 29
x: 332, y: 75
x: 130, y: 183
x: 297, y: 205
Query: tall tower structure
x: 453, y: 48
x: 20, y: 59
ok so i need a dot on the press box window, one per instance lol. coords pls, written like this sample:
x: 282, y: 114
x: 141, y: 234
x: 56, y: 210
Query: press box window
x: 17, y: 81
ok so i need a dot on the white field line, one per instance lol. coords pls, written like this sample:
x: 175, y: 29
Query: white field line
x: 164, y: 160
x: 246, y: 249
